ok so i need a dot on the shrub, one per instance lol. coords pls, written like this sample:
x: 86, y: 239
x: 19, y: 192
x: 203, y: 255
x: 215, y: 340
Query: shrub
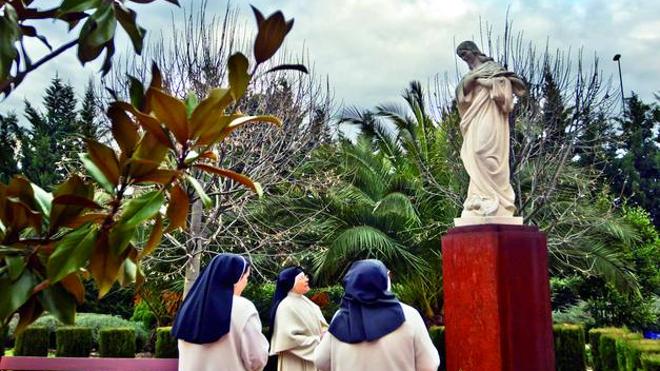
x: 651, y: 362
x: 166, y: 344
x: 635, y: 349
x: 569, y: 347
x: 261, y: 296
x: 621, y: 345
x: 607, y: 351
x: 142, y: 313
x: 437, y: 334
x: 117, y: 342
x: 32, y: 342
x: 577, y: 314
x: 73, y: 341
x: 594, y: 341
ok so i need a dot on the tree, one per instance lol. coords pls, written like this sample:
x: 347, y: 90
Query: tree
x: 95, y: 36
x: 9, y: 134
x: 91, y: 220
x: 634, y: 174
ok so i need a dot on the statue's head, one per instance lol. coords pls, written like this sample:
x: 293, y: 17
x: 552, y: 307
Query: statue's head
x: 470, y: 53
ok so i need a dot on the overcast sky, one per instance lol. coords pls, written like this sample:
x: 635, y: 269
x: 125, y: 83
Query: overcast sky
x: 371, y: 49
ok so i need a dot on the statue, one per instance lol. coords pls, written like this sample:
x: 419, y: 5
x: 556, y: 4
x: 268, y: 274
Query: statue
x: 485, y: 99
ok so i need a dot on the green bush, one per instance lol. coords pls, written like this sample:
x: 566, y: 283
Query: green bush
x: 635, y: 349
x: 594, y: 342
x: 621, y: 345
x: 166, y: 344
x: 142, y: 313
x: 95, y: 322
x: 569, y: 347
x: 437, y: 334
x: 607, y: 351
x: 32, y: 342
x: 73, y: 341
x: 577, y: 314
x: 117, y: 342
x: 651, y: 362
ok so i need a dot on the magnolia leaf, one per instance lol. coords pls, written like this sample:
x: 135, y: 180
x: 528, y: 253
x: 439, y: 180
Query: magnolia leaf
x: 243, y: 120
x: 76, y: 200
x: 74, y: 6
x: 239, y: 78
x: 243, y: 179
x: 43, y: 200
x: 58, y: 302
x: 96, y: 173
x: 128, y: 270
x: 206, y: 114
x: 170, y: 111
x: 177, y: 211
x: 74, y: 286
x: 158, y: 176
x: 142, y: 208
x: 28, y: 313
x: 71, y: 253
x: 291, y: 67
x: 104, y: 265
x: 94, y: 218
x: 148, y: 123
x: 191, y: 103
x: 15, y: 266
x: 270, y: 36
x: 104, y: 158
x: 63, y: 214
x: 124, y: 129
x: 257, y: 15
x: 127, y: 20
x: 154, y: 238
x: 15, y: 293
x: 96, y: 33
x: 206, y: 200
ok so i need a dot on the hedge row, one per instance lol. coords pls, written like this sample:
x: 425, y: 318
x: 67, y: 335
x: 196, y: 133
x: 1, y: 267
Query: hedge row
x: 569, y: 347
x: 615, y: 349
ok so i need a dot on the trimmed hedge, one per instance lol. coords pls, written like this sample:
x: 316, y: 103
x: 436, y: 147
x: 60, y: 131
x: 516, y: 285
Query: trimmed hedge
x: 73, y: 341
x: 117, y: 342
x: 569, y: 347
x: 33, y: 341
x: 594, y: 342
x: 437, y: 334
x: 166, y: 344
x: 651, y: 362
x: 636, y: 348
x: 621, y: 345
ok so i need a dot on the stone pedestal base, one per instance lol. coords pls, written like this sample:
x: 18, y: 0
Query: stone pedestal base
x: 497, y: 299
x: 479, y: 220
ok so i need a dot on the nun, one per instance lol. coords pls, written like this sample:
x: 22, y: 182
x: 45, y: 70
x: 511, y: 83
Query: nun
x: 216, y: 328
x: 372, y: 330
x: 295, y: 321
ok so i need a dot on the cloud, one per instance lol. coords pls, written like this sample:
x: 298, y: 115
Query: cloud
x: 371, y: 49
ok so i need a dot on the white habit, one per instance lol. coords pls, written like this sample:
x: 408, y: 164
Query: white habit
x: 297, y: 331
x: 243, y: 348
x: 408, y: 348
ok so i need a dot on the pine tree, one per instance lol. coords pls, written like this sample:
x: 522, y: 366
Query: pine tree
x: 88, y: 126
x: 9, y: 132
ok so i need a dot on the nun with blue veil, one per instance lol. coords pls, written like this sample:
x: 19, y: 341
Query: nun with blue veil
x: 216, y: 328
x: 372, y: 330
x: 296, y: 323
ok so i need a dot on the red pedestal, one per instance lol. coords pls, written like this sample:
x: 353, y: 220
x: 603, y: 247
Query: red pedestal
x: 497, y: 299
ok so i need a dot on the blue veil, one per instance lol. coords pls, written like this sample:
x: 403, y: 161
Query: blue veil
x: 368, y: 310
x: 205, y: 315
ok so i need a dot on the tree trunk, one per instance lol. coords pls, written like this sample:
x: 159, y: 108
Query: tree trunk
x: 194, y: 247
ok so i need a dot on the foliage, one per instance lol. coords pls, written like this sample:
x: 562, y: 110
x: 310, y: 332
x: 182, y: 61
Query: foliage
x: 32, y: 342
x: 118, y: 301
x: 621, y: 345
x: 437, y: 334
x: 635, y: 349
x: 651, y: 362
x: 143, y: 314
x: 73, y: 341
x: 569, y: 347
x: 594, y: 342
x: 576, y: 314
x: 48, y: 238
x: 117, y: 342
x: 95, y: 36
x: 166, y: 344
x: 89, y: 320
x: 564, y: 292
x: 9, y: 135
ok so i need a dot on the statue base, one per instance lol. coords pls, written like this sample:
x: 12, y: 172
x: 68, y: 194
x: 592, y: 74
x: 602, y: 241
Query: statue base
x: 497, y: 299
x: 479, y: 220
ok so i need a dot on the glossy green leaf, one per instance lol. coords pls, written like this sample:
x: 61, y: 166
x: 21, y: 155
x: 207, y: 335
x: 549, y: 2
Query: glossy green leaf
x: 9, y: 35
x: 104, y: 264
x: 239, y: 78
x: 127, y: 20
x: 97, y: 31
x: 191, y: 103
x: 43, y: 199
x: 154, y: 238
x: 124, y: 129
x: 208, y: 111
x: 72, y: 6
x: 206, y: 200
x: 104, y: 158
x: 142, y: 208
x: 15, y: 266
x: 96, y: 173
x: 170, y: 111
x: 15, y: 293
x: 71, y: 253
x: 62, y: 214
x: 120, y: 237
x: 59, y: 302
x: 136, y: 91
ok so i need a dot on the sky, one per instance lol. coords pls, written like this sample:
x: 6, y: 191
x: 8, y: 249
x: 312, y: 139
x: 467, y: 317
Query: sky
x: 371, y: 49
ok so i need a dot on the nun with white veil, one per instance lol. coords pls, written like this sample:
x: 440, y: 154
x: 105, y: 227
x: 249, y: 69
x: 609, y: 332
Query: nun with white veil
x: 216, y: 328
x: 372, y: 330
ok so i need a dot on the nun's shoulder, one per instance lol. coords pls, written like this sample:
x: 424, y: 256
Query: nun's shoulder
x: 244, y: 304
x: 411, y: 313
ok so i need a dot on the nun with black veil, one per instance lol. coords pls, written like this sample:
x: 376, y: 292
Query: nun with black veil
x: 296, y: 323
x: 372, y: 330
x: 216, y: 328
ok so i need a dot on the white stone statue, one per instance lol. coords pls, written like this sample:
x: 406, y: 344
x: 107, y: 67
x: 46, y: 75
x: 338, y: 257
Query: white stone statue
x: 485, y: 99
